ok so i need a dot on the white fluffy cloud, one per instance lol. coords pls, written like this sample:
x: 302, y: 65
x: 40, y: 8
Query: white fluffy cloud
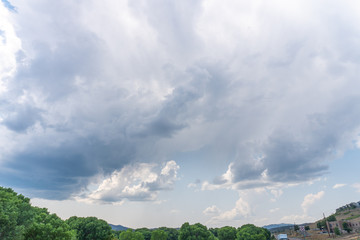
x: 212, y: 210
x: 339, y: 185
x: 10, y: 44
x: 242, y: 209
x: 139, y: 182
x: 310, y: 199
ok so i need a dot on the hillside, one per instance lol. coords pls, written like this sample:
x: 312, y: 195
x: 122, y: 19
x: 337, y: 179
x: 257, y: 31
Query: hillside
x: 351, y: 214
x: 118, y: 227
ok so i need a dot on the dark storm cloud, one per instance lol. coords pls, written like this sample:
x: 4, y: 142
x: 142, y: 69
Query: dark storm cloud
x: 64, y: 168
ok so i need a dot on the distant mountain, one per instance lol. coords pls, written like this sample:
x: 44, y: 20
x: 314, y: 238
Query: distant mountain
x: 280, y: 225
x: 118, y: 227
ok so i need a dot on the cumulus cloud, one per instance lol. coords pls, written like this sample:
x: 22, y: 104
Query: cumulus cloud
x: 88, y: 88
x: 134, y: 182
x: 339, y: 185
x: 310, y: 199
x: 241, y: 210
x: 212, y: 210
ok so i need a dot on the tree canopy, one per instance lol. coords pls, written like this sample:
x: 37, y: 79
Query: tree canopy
x: 90, y: 228
x: 226, y: 233
x: 251, y: 232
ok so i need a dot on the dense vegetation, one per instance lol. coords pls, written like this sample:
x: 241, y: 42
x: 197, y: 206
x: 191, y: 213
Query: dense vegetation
x: 322, y: 223
x: 19, y: 220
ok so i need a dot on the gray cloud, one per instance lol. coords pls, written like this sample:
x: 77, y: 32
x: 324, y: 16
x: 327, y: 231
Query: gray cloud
x: 98, y: 86
x: 22, y: 117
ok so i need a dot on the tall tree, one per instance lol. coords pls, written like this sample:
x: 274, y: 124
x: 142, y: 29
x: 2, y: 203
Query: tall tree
x: 173, y: 233
x: 194, y: 232
x: 145, y: 232
x: 90, y: 228
x: 19, y: 220
x: 131, y: 235
x: 251, y: 232
x: 158, y: 235
x: 46, y: 226
x: 226, y: 233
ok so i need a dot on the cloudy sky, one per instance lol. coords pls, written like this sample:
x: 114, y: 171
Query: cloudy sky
x: 154, y: 113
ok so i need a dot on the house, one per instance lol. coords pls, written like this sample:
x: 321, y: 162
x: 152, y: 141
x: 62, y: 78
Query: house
x: 353, y: 224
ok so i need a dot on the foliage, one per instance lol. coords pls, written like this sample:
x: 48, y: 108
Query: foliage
x: 46, y: 226
x: 145, y: 232
x: 131, y: 235
x: 194, y: 232
x: 116, y: 233
x: 226, y: 233
x: 346, y: 227
x: 352, y: 217
x: 307, y: 228
x: 90, y: 228
x: 214, y: 231
x: 331, y: 218
x: 296, y: 228
x: 322, y: 223
x: 158, y: 235
x: 251, y: 232
x: 337, y: 231
x: 172, y: 233
x: 19, y: 220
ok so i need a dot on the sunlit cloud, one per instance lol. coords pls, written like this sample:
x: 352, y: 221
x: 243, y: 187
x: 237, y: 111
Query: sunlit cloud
x: 310, y: 199
x: 339, y: 185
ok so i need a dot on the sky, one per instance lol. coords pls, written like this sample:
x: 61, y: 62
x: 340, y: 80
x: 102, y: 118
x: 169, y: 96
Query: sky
x: 156, y: 113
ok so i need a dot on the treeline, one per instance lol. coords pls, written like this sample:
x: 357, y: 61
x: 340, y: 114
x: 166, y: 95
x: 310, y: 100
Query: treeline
x: 19, y: 221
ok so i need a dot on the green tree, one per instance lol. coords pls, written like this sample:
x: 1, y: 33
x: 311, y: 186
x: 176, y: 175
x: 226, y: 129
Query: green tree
x: 131, y: 235
x: 145, y: 232
x: 90, y: 228
x: 307, y: 228
x: 16, y: 214
x: 251, y: 232
x: 226, y: 233
x: 158, y: 235
x: 331, y: 218
x: 116, y: 233
x: 320, y: 224
x: 346, y: 227
x: 214, y: 231
x: 19, y: 220
x: 173, y: 234
x: 194, y: 232
x: 337, y: 231
x: 296, y: 228
x: 47, y: 226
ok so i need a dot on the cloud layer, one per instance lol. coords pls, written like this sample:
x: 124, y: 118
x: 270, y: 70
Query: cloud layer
x: 89, y: 88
